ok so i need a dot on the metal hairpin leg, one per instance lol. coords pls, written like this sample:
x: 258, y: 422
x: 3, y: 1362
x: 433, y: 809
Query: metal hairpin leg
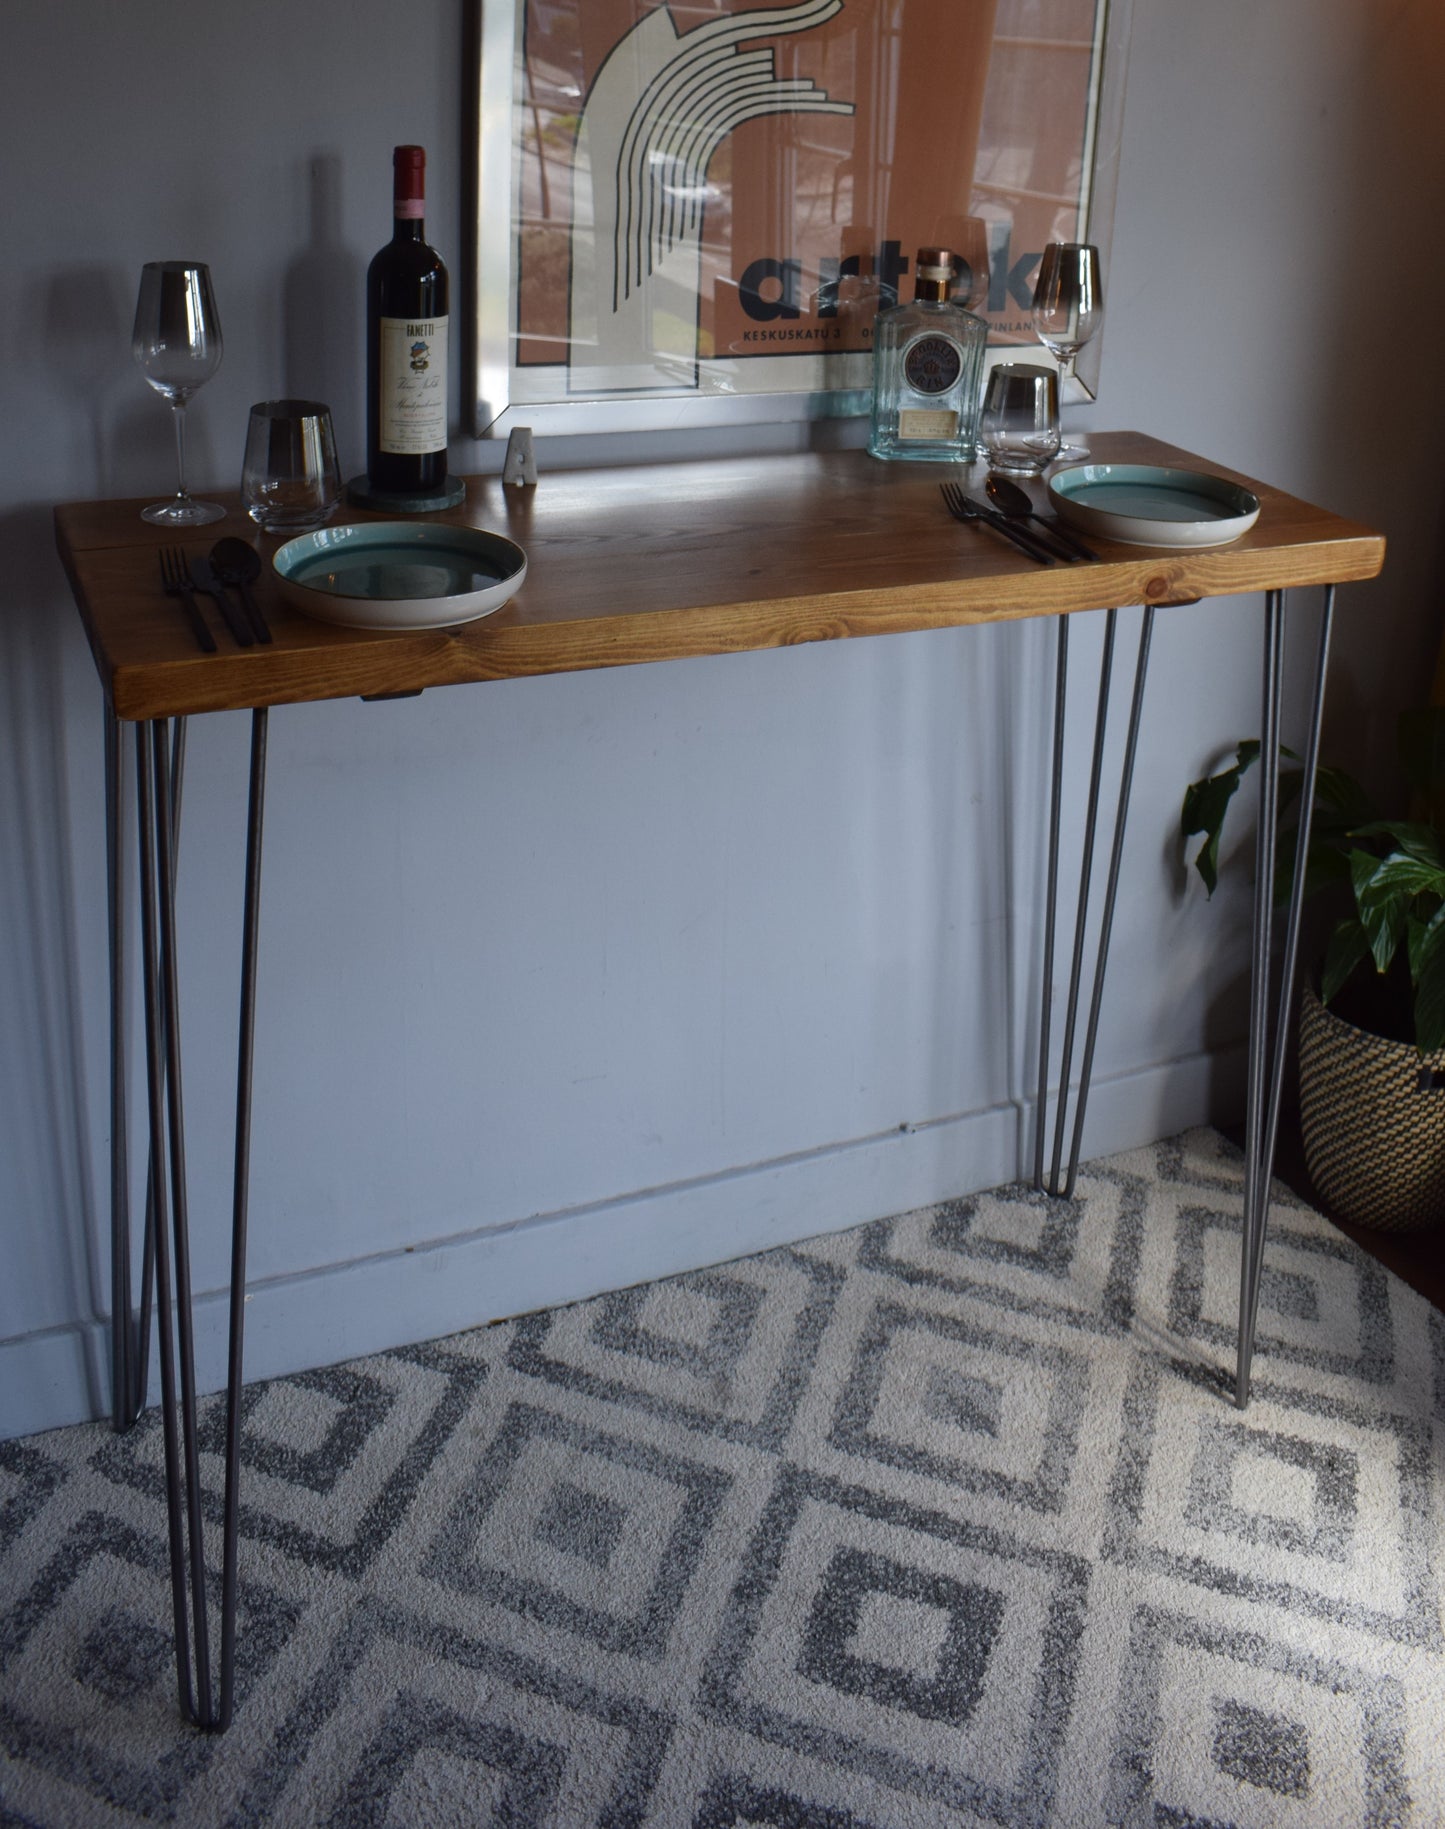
x: 1126, y: 780
x: 125, y: 1343
x: 129, y: 1332
x: 1267, y: 1054
x: 1051, y: 892
x: 157, y: 821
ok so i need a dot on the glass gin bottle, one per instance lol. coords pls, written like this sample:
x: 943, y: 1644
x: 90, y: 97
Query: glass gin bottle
x: 927, y: 367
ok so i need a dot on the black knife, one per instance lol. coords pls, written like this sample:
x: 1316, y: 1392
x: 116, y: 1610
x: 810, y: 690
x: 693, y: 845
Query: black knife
x: 204, y: 576
x: 1022, y: 535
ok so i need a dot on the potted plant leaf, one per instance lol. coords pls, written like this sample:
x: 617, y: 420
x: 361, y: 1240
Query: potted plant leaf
x: 1372, y: 1016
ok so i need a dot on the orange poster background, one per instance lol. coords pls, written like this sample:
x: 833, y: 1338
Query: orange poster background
x: 960, y: 109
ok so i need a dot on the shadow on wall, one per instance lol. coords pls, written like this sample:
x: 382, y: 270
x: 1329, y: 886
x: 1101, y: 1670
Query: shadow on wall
x: 56, y: 1269
x: 87, y: 325
x: 323, y: 323
x: 123, y: 428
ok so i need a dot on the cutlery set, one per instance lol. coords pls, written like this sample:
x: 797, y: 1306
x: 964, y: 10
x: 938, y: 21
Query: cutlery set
x: 231, y: 564
x: 1010, y: 513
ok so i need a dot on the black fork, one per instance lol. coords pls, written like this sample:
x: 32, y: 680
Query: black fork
x: 959, y: 506
x: 176, y: 581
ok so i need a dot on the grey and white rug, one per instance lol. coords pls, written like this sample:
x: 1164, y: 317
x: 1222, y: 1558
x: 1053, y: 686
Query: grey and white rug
x: 947, y: 1519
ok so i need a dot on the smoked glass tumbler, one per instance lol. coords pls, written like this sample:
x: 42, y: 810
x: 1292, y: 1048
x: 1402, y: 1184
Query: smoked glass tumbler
x: 1019, y: 426
x: 290, y: 480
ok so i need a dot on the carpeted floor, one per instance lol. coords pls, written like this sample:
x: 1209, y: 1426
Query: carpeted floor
x: 947, y: 1519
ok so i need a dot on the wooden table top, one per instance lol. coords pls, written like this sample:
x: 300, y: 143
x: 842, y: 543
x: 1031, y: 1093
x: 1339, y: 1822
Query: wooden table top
x: 661, y: 561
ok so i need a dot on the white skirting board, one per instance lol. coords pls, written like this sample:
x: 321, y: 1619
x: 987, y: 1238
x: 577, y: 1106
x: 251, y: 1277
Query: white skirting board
x: 392, y: 1299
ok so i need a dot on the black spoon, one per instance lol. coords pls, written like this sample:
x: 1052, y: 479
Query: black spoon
x: 1009, y: 499
x: 239, y: 565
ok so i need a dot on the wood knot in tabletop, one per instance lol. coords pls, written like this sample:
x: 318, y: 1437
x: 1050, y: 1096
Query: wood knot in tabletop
x: 1168, y: 589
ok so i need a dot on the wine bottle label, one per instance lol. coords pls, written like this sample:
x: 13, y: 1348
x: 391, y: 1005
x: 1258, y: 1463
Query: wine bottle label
x: 413, y: 386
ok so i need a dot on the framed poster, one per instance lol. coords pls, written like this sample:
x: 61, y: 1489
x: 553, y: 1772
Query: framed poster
x: 688, y: 214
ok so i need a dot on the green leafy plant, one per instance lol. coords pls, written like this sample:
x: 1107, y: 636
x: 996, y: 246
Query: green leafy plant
x: 1387, y: 874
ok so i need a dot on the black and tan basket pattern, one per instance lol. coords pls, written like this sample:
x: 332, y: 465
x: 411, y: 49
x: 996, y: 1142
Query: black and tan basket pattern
x: 1372, y: 1113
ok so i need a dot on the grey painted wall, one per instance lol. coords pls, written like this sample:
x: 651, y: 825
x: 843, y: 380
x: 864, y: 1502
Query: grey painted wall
x: 571, y: 981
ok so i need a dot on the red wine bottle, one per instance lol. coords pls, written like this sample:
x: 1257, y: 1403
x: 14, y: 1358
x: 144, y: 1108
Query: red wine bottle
x: 406, y: 346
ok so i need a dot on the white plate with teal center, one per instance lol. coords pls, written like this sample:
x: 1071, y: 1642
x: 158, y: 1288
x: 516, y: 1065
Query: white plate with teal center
x: 1149, y: 505
x: 399, y: 574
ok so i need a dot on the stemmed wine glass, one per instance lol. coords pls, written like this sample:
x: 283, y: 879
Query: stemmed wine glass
x: 1068, y: 307
x: 177, y: 342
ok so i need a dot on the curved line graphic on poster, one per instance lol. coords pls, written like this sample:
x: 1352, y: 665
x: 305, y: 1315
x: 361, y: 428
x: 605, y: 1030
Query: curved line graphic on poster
x: 661, y: 105
x: 678, y: 158
x: 662, y: 61
x: 692, y: 116
x: 682, y: 173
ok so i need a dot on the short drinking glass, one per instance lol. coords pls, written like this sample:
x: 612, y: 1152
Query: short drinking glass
x: 290, y: 479
x: 1019, y: 426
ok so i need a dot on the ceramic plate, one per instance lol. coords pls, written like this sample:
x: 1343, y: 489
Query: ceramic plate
x: 1144, y: 505
x: 399, y: 574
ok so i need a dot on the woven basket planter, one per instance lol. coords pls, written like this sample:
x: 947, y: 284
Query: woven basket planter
x: 1372, y: 1114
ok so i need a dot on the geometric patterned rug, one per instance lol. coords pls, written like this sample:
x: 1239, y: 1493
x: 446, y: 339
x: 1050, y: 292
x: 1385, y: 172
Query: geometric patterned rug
x: 947, y: 1519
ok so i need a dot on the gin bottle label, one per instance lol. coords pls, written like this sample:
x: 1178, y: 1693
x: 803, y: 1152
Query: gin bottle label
x: 927, y: 422
x: 932, y: 364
